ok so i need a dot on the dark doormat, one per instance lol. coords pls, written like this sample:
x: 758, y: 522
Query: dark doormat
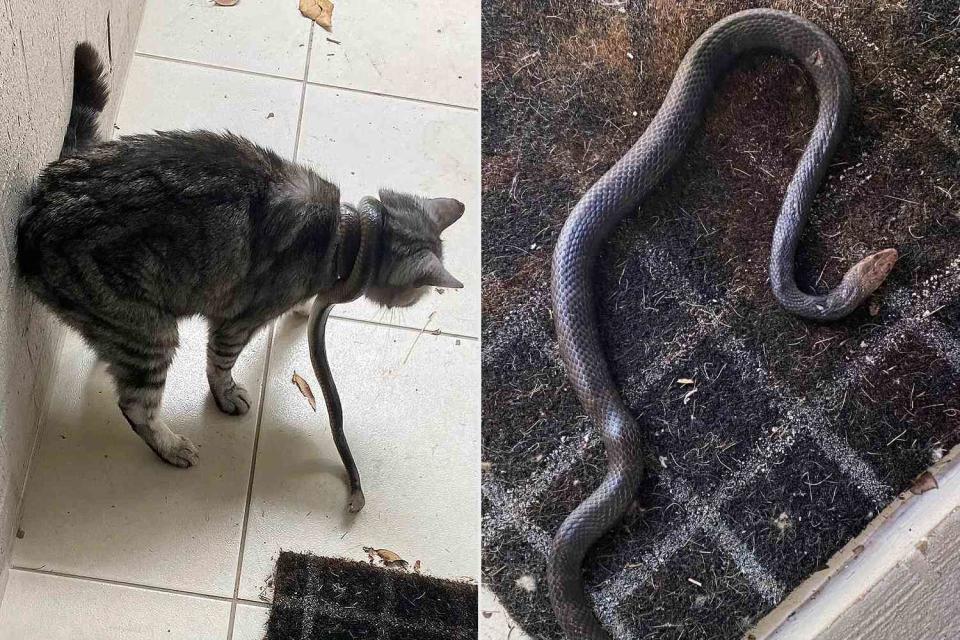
x: 335, y: 599
x: 773, y: 440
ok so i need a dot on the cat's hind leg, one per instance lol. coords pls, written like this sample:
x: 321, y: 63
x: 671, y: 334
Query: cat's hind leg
x: 138, y: 360
x: 225, y: 341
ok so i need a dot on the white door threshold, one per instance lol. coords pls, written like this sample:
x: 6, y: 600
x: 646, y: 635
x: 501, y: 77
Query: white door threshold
x: 899, y: 579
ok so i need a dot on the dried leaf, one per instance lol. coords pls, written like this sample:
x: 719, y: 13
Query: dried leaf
x: 684, y: 381
x: 926, y: 482
x: 266, y: 591
x: 305, y: 390
x: 389, y: 558
x: 416, y: 567
x: 320, y: 11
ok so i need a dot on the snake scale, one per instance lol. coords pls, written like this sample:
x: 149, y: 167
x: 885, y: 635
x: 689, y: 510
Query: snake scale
x: 619, y: 191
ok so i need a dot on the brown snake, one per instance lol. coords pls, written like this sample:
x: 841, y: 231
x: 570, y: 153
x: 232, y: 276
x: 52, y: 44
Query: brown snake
x: 619, y: 191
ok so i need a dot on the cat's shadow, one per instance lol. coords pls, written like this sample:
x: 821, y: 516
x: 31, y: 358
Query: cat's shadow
x: 299, y: 440
x: 332, y: 492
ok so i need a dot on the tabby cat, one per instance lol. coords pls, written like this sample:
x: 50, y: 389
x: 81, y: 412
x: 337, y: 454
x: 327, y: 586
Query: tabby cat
x: 121, y: 238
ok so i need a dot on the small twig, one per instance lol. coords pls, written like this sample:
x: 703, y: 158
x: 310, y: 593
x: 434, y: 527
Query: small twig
x: 900, y: 199
x: 897, y: 438
x: 429, y: 318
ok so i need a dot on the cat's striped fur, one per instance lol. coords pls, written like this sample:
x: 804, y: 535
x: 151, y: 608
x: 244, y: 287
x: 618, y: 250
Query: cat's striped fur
x: 122, y: 238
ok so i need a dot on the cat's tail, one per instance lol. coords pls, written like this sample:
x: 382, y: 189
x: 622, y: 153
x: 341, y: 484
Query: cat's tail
x: 90, y: 93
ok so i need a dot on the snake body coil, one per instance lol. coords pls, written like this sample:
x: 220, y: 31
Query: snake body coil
x: 621, y: 189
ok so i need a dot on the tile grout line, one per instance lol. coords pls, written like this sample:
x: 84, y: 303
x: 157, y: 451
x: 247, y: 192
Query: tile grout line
x: 266, y: 369
x: 253, y: 469
x: 261, y: 74
x: 137, y: 585
x: 396, y: 96
x: 216, y: 67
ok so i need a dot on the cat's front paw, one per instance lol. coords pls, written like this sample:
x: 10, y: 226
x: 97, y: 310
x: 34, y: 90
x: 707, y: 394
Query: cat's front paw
x: 179, y: 452
x: 233, y: 399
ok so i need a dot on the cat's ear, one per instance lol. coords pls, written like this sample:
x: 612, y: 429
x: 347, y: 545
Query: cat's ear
x: 434, y: 274
x: 443, y: 211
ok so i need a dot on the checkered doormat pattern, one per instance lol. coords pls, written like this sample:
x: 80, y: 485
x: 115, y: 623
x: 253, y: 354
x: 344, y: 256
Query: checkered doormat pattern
x: 712, y: 508
x: 320, y: 598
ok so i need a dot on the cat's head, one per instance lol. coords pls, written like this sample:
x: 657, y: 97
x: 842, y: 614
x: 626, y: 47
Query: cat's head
x: 411, y: 259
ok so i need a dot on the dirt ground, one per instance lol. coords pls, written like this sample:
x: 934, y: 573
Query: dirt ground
x: 795, y: 433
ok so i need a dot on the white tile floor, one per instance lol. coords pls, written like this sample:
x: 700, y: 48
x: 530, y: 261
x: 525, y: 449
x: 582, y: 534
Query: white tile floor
x: 495, y: 622
x: 118, y: 545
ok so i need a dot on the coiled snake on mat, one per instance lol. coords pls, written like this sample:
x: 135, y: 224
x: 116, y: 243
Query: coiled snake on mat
x: 620, y: 190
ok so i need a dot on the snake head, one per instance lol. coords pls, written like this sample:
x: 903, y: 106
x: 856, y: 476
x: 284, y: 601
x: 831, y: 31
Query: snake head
x: 860, y: 281
x: 874, y: 269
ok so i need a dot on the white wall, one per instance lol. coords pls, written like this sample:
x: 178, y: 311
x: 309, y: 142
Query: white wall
x: 37, y: 38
